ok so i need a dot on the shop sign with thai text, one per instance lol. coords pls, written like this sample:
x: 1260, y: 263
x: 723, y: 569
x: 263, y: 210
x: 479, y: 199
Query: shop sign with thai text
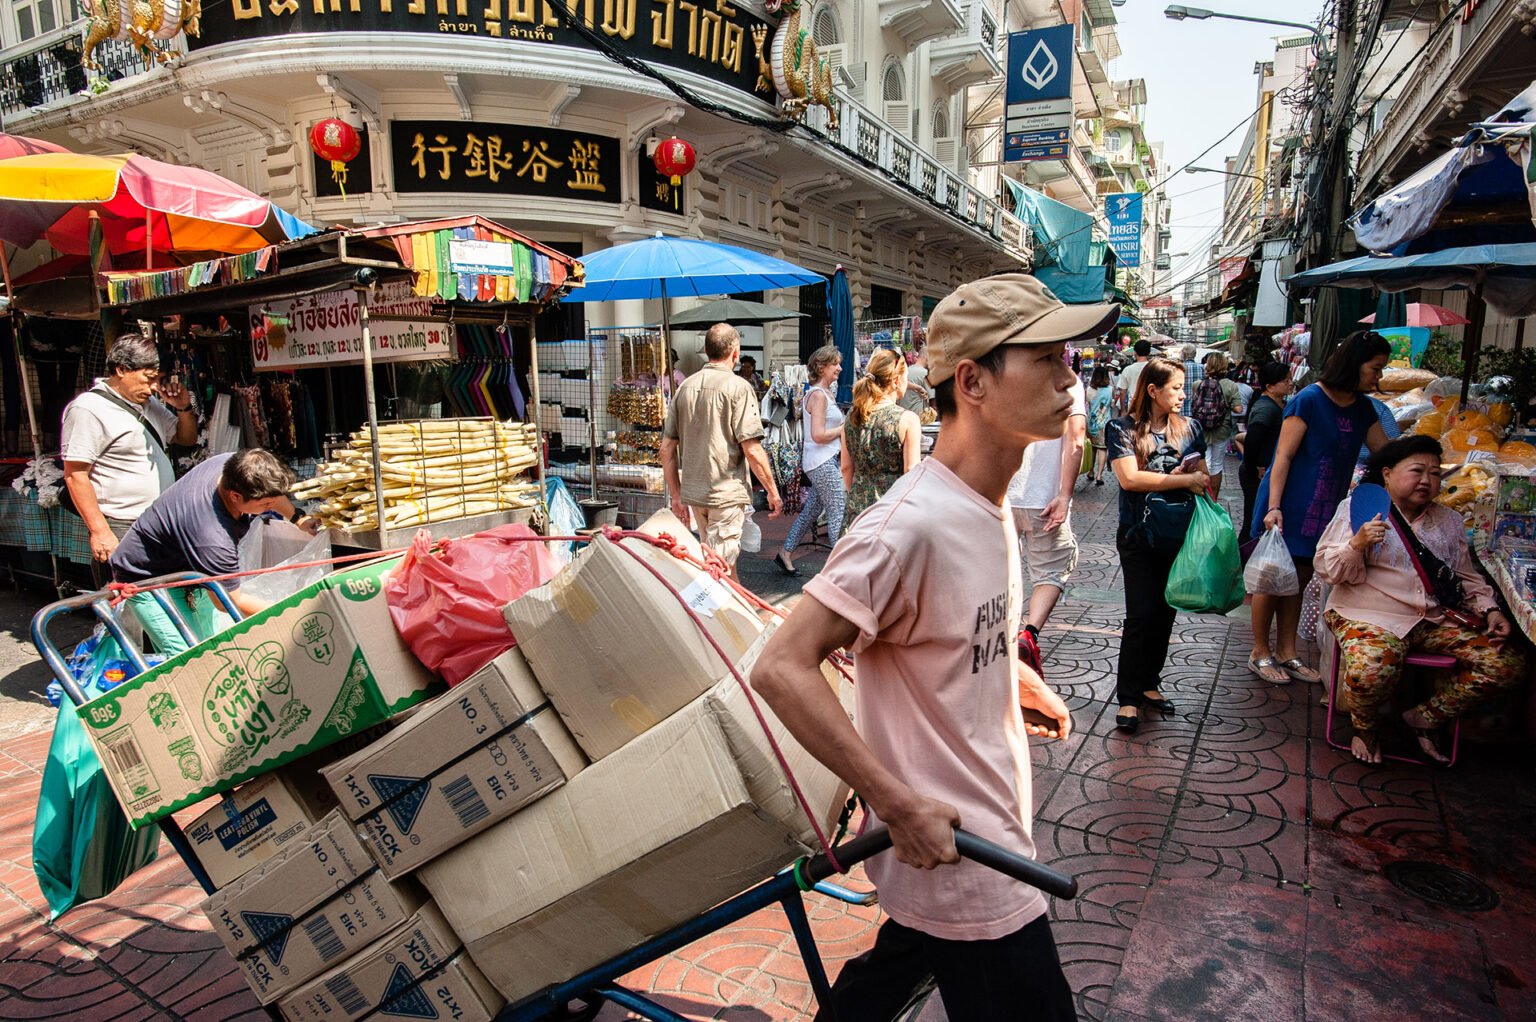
x: 712, y: 38
x: 327, y: 329
x: 504, y: 159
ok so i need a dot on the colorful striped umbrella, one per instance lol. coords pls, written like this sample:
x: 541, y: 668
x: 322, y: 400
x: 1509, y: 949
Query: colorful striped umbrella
x: 145, y: 205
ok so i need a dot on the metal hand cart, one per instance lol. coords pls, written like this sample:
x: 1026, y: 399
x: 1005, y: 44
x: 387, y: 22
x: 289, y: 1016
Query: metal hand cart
x: 598, y: 985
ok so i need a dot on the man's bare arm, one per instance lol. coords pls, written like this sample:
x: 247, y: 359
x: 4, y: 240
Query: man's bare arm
x: 788, y: 675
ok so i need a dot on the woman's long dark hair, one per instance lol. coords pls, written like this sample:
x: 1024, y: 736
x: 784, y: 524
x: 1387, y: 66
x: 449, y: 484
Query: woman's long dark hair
x: 1343, y: 369
x: 1155, y: 372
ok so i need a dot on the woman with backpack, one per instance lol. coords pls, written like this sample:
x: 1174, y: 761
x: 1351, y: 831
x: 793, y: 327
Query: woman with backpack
x: 1100, y: 394
x: 1158, y: 458
x: 1216, y: 400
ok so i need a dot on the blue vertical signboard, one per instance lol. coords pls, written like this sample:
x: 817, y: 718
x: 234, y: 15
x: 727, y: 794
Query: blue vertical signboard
x: 1038, y: 114
x: 1123, y: 213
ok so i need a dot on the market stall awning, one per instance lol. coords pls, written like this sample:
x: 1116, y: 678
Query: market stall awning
x: 473, y: 259
x: 1505, y: 274
x: 143, y: 205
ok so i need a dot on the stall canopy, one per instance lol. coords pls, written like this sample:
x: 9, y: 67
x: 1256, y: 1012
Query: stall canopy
x: 472, y: 259
x: 1505, y: 275
x: 733, y: 311
x: 1067, y: 258
x: 144, y: 205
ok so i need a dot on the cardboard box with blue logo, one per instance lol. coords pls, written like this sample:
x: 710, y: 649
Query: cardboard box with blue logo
x: 305, y: 673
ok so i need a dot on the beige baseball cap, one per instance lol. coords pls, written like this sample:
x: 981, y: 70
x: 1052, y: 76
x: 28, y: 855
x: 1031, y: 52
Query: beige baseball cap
x: 1009, y: 308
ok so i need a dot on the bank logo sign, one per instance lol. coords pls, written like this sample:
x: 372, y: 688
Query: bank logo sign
x: 1038, y: 123
x: 1122, y: 211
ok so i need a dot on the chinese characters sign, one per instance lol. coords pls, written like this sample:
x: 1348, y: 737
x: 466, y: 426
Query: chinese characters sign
x: 505, y: 159
x: 712, y: 38
x: 327, y: 329
x: 657, y: 190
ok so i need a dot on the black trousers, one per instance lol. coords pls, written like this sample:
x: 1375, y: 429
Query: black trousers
x: 1249, y: 480
x: 1148, y: 621
x: 1011, y: 978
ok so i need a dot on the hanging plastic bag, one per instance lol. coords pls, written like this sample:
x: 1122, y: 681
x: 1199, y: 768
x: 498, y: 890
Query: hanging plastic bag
x: 565, y: 517
x: 751, y: 535
x: 1270, y: 570
x: 82, y: 846
x: 447, y: 605
x: 1205, y: 576
x: 274, y: 543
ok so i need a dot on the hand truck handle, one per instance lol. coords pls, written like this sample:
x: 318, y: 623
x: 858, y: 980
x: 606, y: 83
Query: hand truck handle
x: 1009, y: 863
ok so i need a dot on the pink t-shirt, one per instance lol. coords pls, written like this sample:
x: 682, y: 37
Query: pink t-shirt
x: 930, y: 576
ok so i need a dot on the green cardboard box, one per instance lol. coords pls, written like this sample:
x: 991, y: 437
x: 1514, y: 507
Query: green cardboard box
x: 304, y: 673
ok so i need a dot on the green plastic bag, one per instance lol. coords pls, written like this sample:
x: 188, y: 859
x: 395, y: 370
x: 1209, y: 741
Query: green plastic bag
x: 82, y: 846
x: 1207, y: 576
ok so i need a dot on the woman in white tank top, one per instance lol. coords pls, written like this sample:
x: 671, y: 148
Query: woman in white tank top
x: 823, y: 444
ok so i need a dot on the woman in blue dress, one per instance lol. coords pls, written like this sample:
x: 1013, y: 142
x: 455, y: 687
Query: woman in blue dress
x: 1314, y: 463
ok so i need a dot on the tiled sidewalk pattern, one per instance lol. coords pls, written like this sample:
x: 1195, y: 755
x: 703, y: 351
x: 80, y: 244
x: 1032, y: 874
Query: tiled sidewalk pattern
x: 1231, y: 865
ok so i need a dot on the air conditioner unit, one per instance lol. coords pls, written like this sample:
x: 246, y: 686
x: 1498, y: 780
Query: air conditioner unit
x: 898, y: 114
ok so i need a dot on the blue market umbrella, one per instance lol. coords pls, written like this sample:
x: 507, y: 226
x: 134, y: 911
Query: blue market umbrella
x: 663, y: 267
x: 840, y: 310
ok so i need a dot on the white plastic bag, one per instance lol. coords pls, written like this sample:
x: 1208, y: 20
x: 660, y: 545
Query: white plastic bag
x: 272, y: 543
x: 1270, y: 570
x: 751, y: 535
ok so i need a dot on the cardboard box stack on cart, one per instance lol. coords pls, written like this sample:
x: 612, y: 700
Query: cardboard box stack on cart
x: 602, y: 781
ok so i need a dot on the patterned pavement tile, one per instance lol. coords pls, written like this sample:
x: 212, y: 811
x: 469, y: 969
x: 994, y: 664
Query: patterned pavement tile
x: 1174, y: 973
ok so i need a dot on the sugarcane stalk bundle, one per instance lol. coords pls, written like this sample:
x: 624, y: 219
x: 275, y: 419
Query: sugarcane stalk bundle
x: 431, y: 470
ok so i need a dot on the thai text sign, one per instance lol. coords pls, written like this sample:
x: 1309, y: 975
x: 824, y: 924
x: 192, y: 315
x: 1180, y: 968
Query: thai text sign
x: 1122, y: 211
x: 504, y: 159
x: 327, y: 329
x: 712, y: 38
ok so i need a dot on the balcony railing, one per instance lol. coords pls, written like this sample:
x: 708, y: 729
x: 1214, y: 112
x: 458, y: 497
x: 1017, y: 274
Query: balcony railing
x: 970, y: 56
x: 46, y: 69
x: 903, y: 161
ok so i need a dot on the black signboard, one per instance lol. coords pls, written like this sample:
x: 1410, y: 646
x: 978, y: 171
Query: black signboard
x: 504, y: 159
x: 354, y: 178
x: 657, y: 191
x: 712, y: 38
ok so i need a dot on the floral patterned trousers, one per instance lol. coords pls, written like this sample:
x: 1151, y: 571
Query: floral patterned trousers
x: 1374, y: 657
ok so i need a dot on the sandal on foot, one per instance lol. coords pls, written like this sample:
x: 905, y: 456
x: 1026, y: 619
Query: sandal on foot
x: 1277, y: 675
x: 1299, y: 670
x: 785, y: 566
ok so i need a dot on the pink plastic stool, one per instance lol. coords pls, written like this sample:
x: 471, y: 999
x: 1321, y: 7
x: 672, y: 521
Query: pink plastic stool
x: 1416, y: 658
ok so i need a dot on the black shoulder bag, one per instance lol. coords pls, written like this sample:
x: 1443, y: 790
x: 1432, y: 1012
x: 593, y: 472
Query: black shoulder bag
x: 1437, y: 576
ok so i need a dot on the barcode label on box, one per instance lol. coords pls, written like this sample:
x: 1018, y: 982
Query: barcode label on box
x: 123, y: 757
x: 465, y: 801
x: 323, y: 937
x: 346, y: 993
x: 126, y: 755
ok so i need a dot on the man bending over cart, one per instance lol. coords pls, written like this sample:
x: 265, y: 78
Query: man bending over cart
x: 926, y: 590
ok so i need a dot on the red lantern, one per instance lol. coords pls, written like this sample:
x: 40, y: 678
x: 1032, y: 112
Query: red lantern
x: 674, y: 158
x: 337, y: 141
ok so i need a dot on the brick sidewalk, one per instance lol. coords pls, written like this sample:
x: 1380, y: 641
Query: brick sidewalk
x: 1232, y: 865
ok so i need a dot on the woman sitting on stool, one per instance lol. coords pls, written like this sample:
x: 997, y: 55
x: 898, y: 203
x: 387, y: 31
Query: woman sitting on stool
x: 1380, y: 608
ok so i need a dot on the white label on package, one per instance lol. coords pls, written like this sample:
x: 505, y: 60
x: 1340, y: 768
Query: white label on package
x: 705, y: 596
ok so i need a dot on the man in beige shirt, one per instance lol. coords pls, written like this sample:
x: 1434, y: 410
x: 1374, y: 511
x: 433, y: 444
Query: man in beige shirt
x: 713, y: 433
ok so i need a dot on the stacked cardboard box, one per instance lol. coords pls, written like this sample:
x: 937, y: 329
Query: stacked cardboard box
x: 303, y: 674
x: 470, y: 758
x: 307, y: 908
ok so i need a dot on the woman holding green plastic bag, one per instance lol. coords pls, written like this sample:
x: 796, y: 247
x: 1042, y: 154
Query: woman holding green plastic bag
x: 1158, y: 457
x: 1207, y: 576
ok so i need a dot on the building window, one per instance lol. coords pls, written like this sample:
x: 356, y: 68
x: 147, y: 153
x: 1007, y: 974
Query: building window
x: 824, y: 27
x: 941, y: 119
x: 893, y: 84
x: 35, y: 18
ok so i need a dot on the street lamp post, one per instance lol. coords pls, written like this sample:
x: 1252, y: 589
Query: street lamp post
x: 1179, y: 12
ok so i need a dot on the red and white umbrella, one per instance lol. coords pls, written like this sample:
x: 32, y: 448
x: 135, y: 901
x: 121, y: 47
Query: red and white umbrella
x: 1425, y: 314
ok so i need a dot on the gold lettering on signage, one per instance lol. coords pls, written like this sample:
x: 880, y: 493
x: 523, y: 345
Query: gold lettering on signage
x: 664, y: 191
x: 539, y: 162
x: 485, y: 158
x: 521, y: 10
x: 732, y: 37
x: 586, y: 10
x: 245, y: 10
x: 386, y: 6
x: 550, y: 19
x: 619, y: 18
x: 586, y: 169
x: 661, y: 23
x: 461, y: 8
x: 693, y: 24
x: 492, y: 11
x: 417, y: 6
x: 283, y: 7
x: 419, y: 150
